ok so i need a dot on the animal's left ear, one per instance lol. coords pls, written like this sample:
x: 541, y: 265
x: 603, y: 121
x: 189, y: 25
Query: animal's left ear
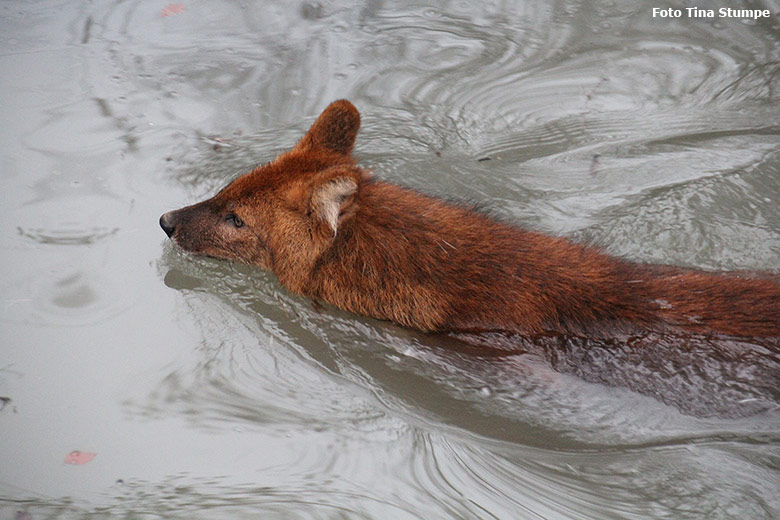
x: 333, y: 194
x: 335, y: 130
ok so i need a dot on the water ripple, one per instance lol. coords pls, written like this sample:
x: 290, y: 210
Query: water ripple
x: 658, y: 141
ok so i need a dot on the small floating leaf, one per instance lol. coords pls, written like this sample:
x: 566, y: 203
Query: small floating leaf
x: 172, y: 9
x: 79, y: 457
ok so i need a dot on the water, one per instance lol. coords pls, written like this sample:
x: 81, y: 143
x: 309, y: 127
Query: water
x: 207, y: 391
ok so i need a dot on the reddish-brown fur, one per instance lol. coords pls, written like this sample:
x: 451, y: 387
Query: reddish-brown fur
x: 332, y: 232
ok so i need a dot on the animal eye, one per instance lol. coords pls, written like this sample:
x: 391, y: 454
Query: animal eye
x: 236, y: 220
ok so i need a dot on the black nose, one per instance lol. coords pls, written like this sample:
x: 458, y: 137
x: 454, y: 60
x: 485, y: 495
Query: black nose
x: 166, y: 222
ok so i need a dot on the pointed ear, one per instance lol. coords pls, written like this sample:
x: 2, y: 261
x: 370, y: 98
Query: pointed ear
x: 335, y: 130
x: 333, y: 194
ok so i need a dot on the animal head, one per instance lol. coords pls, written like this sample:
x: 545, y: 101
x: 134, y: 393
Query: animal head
x: 281, y: 216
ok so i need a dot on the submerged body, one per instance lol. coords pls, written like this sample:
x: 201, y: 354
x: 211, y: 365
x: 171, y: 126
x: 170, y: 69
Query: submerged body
x: 332, y: 232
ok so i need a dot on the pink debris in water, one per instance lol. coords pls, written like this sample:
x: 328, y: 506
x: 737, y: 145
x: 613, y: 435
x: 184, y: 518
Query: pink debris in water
x: 170, y: 9
x: 79, y: 457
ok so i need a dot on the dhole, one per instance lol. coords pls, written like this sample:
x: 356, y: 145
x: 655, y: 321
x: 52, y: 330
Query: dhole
x: 331, y: 231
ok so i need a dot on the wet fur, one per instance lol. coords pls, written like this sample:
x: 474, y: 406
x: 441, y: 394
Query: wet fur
x: 331, y: 231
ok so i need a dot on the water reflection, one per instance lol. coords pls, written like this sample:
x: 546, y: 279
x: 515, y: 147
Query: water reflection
x: 490, y: 435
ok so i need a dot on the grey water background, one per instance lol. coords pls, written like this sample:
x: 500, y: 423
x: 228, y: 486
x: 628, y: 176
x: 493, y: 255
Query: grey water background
x: 208, y: 391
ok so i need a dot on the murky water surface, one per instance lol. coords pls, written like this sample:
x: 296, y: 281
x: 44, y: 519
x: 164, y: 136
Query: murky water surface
x: 207, y: 391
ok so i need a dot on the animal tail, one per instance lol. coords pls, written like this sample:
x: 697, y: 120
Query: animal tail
x: 726, y: 303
